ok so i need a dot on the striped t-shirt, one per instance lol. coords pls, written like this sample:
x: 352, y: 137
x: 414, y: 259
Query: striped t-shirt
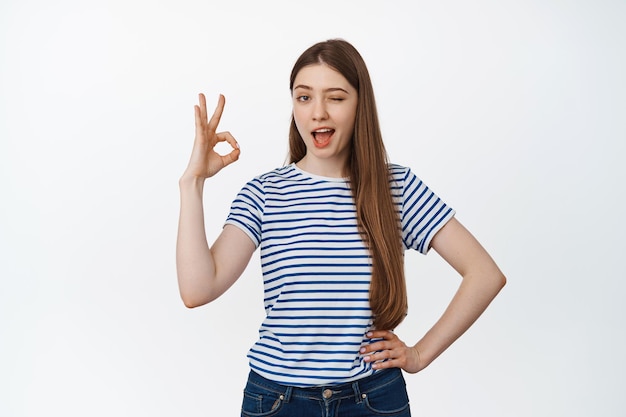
x: 317, y: 270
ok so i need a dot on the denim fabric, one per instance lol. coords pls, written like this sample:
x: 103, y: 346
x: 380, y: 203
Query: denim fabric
x: 382, y: 394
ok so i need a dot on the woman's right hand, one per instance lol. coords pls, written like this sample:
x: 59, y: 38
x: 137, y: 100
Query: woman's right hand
x: 204, y: 161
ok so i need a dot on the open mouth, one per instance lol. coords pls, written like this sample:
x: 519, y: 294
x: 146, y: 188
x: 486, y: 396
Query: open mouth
x: 321, y: 137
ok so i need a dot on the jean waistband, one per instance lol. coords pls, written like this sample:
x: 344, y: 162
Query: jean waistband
x: 330, y: 392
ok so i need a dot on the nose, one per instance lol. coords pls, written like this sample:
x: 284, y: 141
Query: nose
x: 319, y: 110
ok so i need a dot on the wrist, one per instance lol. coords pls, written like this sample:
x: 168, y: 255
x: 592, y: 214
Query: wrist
x: 191, y: 183
x: 424, y: 355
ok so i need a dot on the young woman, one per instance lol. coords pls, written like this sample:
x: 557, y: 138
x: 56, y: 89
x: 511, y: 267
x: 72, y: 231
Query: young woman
x: 332, y: 227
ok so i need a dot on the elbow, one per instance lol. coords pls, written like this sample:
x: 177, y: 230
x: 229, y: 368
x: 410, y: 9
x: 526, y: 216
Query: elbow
x: 496, y: 277
x: 192, y: 301
x: 493, y: 281
x: 192, y: 291
x: 501, y: 280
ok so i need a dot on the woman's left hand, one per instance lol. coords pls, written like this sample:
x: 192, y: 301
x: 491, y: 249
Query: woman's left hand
x: 393, y: 351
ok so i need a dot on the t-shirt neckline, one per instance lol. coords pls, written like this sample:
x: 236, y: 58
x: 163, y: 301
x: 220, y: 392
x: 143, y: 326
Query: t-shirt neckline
x: 318, y: 177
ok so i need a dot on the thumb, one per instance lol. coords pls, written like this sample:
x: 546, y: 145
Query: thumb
x: 231, y: 157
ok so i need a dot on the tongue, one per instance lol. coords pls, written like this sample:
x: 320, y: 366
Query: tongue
x: 322, y: 138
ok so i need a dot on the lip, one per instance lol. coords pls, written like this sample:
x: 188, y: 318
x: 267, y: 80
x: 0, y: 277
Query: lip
x: 323, y: 128
x: 322, y: 143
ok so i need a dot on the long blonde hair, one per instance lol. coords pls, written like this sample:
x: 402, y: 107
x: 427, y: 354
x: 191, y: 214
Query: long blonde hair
x: 369, y: 176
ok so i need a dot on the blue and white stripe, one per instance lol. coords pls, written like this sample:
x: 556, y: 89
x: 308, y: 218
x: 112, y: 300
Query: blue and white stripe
x: 316, y: 269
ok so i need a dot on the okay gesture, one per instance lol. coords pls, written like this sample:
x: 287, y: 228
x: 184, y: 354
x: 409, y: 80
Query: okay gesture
x: 204, y: 161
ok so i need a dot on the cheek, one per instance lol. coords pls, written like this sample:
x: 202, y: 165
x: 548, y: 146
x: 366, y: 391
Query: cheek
x: 347, y: 123
x: 298, y: 118
x: 348, y: 117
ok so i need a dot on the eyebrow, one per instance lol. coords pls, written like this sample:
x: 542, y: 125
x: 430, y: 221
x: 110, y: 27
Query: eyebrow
x: 328, y: 90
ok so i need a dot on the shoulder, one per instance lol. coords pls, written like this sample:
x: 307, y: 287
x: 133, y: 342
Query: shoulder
x: 284, y: 173
x: 400, y: 174
x: 396, y: 170
x: 270, y: 178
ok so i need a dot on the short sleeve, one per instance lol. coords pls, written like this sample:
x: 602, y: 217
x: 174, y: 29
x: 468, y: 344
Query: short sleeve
x: 423, y: 213
x: 246, y: 210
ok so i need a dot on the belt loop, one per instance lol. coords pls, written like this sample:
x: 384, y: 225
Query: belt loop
x: 357, y: 392
x: 288, y: 393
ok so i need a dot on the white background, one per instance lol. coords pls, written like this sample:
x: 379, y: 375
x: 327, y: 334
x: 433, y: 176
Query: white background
x: 512, y: 111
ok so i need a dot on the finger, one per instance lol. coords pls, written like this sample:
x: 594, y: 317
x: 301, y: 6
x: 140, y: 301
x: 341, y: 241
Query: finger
x: 234, y: 154
x: 217, y: 114
x: 379, y: 356
x: 202, y: 106
x: 228, y: 138
x: 384, y: 334
x: 376, y: 347
x: 231, y: 157
x: 198, y: 117
x: 386, y: 337
x: 391, y: 363
x: 395, y: 353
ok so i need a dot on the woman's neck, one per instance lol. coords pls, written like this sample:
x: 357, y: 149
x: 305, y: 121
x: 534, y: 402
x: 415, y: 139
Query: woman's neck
x: 324, y: 168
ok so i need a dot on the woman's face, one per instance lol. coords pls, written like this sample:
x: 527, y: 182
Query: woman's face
x: 324, y: 110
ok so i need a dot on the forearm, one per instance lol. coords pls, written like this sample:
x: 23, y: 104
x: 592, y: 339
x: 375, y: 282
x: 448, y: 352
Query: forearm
x: 194, y: 262
x: 472, y: 298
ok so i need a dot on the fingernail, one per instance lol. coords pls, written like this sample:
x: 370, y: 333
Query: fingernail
x: 362, y: 350
x: 369, y: 334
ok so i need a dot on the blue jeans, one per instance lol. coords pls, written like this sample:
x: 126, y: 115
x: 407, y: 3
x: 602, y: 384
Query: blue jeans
x: 382, y: 394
